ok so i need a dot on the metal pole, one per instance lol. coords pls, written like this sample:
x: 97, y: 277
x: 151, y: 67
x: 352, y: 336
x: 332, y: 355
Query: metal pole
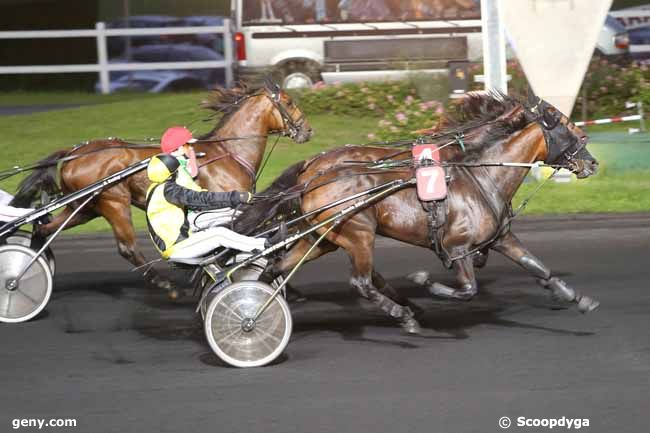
x: 639, y: 106
x: 227, y: 52
x: 14, y: 283
x: 293, y: 271
x: 494, y: 47
x: 102, y: 57
x: 127, y: 48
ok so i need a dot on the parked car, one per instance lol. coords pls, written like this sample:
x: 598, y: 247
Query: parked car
x: 211, y: 40
x: 153, y: 82
x: 640, y: 43
x: 162, y: 80
x: 613, y: 39
x: 117, y: 45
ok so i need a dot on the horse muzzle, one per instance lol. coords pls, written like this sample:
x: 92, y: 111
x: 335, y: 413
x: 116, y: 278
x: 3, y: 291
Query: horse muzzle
x: 583, y: 168
x: 302, y: 135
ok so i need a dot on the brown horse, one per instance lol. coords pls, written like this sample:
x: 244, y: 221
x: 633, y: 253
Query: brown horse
x: 478, y: 204
x: 233, y: 153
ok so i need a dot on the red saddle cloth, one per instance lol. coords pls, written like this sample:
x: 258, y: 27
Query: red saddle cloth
x: 431, y: 183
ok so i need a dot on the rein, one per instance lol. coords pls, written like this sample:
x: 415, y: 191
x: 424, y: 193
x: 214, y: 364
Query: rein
x: 5, y: 174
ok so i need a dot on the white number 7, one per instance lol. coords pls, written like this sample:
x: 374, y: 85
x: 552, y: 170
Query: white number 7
x: 432, y: 174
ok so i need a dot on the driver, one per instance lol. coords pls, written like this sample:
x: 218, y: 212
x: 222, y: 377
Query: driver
x: 173, y: 193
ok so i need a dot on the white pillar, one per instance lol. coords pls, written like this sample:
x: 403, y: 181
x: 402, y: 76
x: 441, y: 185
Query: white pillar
x: 102, y: 58
x: 494, y: 47
x: 228, y: 51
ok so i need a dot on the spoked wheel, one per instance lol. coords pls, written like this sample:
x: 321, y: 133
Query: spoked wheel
x: 24, y: 238
x: 23, y: 299
x: 249, y: 273
x: 235, y: 336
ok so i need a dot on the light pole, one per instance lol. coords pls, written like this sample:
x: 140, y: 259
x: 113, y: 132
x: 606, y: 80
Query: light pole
x: 494, y: 47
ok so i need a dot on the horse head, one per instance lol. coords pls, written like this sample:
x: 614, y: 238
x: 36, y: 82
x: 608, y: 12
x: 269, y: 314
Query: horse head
x: 566, y: 144
x: 288, y: 118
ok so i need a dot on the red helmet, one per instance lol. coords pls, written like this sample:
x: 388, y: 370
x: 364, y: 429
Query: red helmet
x: 175, y: 137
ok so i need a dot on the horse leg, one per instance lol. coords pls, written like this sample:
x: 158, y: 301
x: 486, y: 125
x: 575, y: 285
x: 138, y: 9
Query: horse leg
x: 468, y: 288
x: 480, y: 258
x: 382, y: 285
x: 118, y: 215
x: 511, y: 247
x: 291, y: 259
x: 82, y: 217
x: 361, y: 255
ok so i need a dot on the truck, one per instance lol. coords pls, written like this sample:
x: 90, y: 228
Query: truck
x: 306, y: 41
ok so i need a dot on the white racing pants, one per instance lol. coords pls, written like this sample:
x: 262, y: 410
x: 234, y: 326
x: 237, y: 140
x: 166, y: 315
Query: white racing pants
x: 9, y: 213
x: 206, y: 219
x: 205, y: 241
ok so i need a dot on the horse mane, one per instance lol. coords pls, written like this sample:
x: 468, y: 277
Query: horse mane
x: 492, y: 113
x: 226, y: 101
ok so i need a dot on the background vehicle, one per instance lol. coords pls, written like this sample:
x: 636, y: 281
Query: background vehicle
x: 165, y: 48
x: 158, y: 81
x: 636, y: 21
x: 308, y: 40
x: 613, y: 39
x: 640, y: 43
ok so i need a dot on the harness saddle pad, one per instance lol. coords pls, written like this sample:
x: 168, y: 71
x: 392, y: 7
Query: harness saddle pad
x: 431, y: 183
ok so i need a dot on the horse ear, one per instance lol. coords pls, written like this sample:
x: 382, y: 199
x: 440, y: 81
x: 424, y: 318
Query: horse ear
x: 270, y: 83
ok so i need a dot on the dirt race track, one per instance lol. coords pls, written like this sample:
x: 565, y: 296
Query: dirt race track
x: 119, y: 358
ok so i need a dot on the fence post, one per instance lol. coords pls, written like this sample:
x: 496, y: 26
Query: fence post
x: 102, y: 58
x: 639, y: 107
x: 227, y: 52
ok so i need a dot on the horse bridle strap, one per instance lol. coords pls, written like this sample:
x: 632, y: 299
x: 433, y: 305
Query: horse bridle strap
x: 539, y: 110
x: 288, y: 123
x: 247, y: 166
x: 290, y: 127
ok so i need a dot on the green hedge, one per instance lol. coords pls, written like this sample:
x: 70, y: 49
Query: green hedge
x: 400, y: 107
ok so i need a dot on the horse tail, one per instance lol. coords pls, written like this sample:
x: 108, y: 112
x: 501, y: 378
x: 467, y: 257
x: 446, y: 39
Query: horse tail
x: 278, y: 199
x: 41, y: 179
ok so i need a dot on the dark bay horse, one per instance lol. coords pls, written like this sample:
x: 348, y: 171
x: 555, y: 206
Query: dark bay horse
x: 478, y: 205
x: 233, y: 153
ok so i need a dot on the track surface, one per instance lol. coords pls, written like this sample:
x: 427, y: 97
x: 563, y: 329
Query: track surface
x: 119, y: 358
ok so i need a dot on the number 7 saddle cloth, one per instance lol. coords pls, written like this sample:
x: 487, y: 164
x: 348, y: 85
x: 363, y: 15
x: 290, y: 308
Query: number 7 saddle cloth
x: 432, y: 192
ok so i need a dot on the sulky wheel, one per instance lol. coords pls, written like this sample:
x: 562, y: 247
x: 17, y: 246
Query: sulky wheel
x: 24, y: 238
x: 24, y: 299
x: 233, y: 334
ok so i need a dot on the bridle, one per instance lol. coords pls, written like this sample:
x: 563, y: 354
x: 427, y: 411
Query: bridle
x: 290, y: 127
x: 549, y: 125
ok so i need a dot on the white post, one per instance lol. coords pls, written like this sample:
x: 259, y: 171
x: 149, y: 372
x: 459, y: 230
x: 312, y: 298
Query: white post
x: 227, y: 52
x: 494, y: 47
x: 102, y: 58
x: 639, y: 108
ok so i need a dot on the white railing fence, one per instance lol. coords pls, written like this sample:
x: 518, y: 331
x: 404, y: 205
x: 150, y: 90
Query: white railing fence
x: 103, y: 67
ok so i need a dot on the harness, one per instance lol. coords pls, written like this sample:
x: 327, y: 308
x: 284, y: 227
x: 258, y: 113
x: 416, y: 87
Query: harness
x: 548, y: 123
x: 247, y: 166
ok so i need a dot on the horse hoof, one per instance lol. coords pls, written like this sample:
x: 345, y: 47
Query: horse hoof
x: 437, y: 289
x: 418, y: 277
x: 480, y: 259
x: 411, y: 326
x: 174, y: 294
x: 587, y: 304
x: 161, y: 283
x: 293, y: 296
